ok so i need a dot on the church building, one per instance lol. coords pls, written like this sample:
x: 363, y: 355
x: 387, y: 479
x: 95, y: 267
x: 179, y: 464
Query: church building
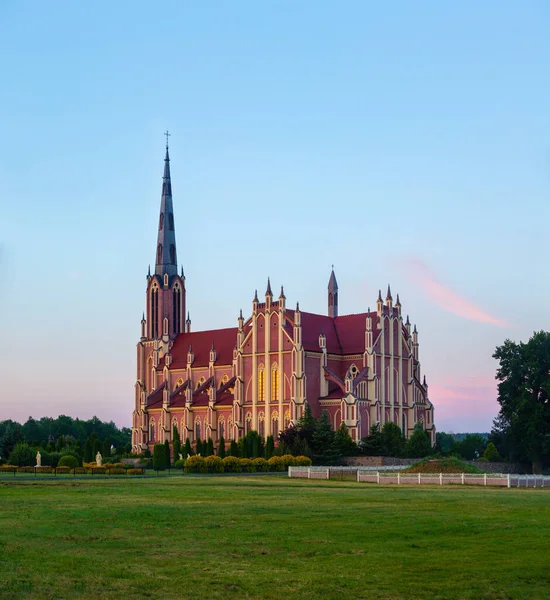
x: 362, y: 368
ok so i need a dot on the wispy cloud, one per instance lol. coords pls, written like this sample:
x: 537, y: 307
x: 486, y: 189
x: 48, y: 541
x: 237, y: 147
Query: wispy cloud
x: 445, y: 297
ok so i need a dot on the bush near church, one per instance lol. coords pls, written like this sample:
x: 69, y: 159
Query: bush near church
x: 180, y: 464
x: 303, y: 461
x: 246, y: 465
x: 68, y: 461
x: 136, y: 471
x: 214, y: 464
x: 261, y: 465
x: 231, y: 464
x: 276, y: 463
x: 196, y: 464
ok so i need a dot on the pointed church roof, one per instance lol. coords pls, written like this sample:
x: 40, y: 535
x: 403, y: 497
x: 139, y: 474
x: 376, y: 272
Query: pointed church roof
x: 268, y: 291
x: 166, y: 260
x: 332, y: 283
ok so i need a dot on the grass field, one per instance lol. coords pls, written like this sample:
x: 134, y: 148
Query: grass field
x: 270, y: 537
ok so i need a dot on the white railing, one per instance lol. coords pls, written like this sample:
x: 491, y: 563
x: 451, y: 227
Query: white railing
x: 392, y: 475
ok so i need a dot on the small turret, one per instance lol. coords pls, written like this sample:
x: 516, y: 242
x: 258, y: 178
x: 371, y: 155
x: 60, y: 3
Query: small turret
x: 398, y: 305
x: 241, y: 320
x: 212, y: 354
x: 190, y: 355
x: 188, y: 324
x: 389, y: 298
x: 282, y: 299
x: 268, y: 294
x: 379, y: 303
x: 255, y: 301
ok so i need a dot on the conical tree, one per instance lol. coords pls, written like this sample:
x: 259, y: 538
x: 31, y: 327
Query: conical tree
x: 269, y: 447
x: 419, y: 444
x: 198, y: 447
x: 306, y: 424
x: 167, y: 452
x: 221, y: 447
x: 188, y: 451
x: 371, y: 445
x: 106, y: 449
x: 234, y: 448
x: 209, y: 447
x: 343, y: 444
x: 323, y: 439
x: 176, y: 443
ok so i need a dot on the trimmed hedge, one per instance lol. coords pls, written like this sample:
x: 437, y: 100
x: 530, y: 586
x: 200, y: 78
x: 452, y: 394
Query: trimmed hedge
x: 68, y: 461
x: 303, y: 461
x: 115, y: 471
x: 136, y: 471
x: 180, y: 464
x: 195, y: 464
x: 214, y: 464
x: 25, y: 470
x: 63, y: 470
x: 261, y: 465
x: 231, y: 464
x: 288, y: 460
x: 44, y: 469
x: 246, y: 465
x: 276, y: 463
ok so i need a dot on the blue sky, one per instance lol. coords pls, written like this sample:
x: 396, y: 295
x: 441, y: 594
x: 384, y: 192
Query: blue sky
x: 407, y: 144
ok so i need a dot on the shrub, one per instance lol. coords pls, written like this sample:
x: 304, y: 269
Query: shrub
x: 68, y: 461
x: 119, y: 465
x: 195, y: 464
x: 231, y: 464
x: 116, y: 471
x: 159, y: 457
x: 247, y: 465
x: 98, y: 470
x: 302, y: 461
x: 482, y: 459
x: 135, y: 471
x: 214, y: 464
x: 80, y: 470
x: 179, y: 464
x: 288, y: 460
x: 276, y: 463
x: 89, y: 465
x: 44, y: 469
x: 25, y: 470
x: 260, y: 464
x: 491, y: 453
x: 63, y: 470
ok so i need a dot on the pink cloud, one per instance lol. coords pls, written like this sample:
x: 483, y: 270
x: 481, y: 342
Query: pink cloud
x: 447, y: 298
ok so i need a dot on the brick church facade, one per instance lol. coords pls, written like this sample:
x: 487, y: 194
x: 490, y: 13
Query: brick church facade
x: 362, y: 368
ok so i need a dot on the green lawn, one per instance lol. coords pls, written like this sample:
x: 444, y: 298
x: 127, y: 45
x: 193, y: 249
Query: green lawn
x: 270, y: 537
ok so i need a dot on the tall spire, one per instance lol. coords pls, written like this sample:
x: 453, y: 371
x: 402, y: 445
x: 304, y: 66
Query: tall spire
x: 166, y: 261
x: 332, y: 295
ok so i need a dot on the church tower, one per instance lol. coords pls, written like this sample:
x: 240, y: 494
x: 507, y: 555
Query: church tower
x: 332, y: 295
x: 165, y: 288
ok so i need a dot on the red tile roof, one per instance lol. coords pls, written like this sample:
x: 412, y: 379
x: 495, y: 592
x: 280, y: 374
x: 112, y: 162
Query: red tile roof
x: 225, y: 399
x: 154, y: 399
x: 224, y: 341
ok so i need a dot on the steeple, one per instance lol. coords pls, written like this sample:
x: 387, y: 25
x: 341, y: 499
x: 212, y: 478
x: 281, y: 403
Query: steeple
x: 166, y: 261
x: 332, y: 295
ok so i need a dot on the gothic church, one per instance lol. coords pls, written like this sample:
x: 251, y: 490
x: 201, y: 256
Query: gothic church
x: 362, y: 368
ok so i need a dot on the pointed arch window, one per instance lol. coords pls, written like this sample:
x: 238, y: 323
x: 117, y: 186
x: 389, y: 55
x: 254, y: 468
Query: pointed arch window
x: 261, y: 383
x: 261, y: 424
x: 275, y: 424
x: 287, y: 419
x: 197, y: 430
x: 176, y: 307
x: 154, y: 312
x: 161, y: 222
x: 173, y: 254
x: 171, y: 222
x: 159, y: 254
x: 152, y: 431
x: 275, y: 382
x: 221, y: 428
x: 230, y: 428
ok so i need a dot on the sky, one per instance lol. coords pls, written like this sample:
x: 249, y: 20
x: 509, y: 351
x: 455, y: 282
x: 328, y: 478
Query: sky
x: 405, y: 143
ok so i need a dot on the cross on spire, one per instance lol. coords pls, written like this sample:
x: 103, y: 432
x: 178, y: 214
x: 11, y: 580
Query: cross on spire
x: 167, y: 134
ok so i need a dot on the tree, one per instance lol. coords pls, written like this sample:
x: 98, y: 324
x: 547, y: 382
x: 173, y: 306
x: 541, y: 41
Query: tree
x: 343, y: 444
x: 198, y: 447
x: 491, y: 453
x: 167, y: 452
x: 234, y: 448
x: 419, y: 444
x: 269, y: 447
x: 96, y: 447
x: 106, y: 450
x: 306, y: 424
x: 470, y: 447
x: 88, y: 451
x: 392, y: 441
x: 176, y: 442
x: 209, y: 447
x: 524, y: 397
x: 221, y: 447
x: 371, y: 445
x: 243, y: 450
x: 22, y: 455
x: 323, y: 439
x: 188, y: 450
x: 159, y: 457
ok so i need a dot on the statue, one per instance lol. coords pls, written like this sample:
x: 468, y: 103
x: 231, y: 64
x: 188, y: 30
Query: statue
x: 38, y: 459
x: 98, y: 459
x: 180, y: 455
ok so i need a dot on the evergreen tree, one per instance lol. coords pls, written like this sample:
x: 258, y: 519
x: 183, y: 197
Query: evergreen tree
x: 167, y: 452
x: 96, y: 447
x: 306, y: 425
x: 209, y: 447
x: 491, y: 453
x: 221, y: 447
x: 176, y: 442
x: 419, y: 444
x: 343, y: 444
x: 106, y: 451
x: 198, y: 447
x: 88, y: 450
x: 242, y: 452
x: 269, y: 447
x: 159, y: 457
x: 372, y: 444
x: 323, y: 439
x: 188, y: 451
x: 234, y: 449
x: 392, y: 440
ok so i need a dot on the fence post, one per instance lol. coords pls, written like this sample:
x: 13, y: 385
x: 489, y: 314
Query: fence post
x: 377, y: 476
x: 418, y: 478
x: 309, y: 472
x: 35, y: 471
x: 441, y: 479
x: 398, y: 478
x: 462, y: 478
x: 358, y: 474
x: 485, y: 479
x: 508, y: 479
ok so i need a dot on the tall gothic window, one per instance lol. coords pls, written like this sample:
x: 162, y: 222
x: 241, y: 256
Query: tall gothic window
x: 152, y: 431
x: 154, y: 312
x: 159, y: 254
x: 197, y: 430
x: 261, y: 425
x: 221, y: 429
x: 275, y: 382
x: 261, y: 383
x: 275, y: 425
x: 161, y: 221
x: 176, y: 306
x: 172, y: 254
x: 171, y: 222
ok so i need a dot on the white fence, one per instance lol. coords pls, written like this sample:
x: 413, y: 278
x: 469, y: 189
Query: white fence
x: 381, y: 475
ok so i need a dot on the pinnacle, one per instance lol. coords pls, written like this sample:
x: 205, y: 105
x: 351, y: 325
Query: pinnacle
x: 268, y: 291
